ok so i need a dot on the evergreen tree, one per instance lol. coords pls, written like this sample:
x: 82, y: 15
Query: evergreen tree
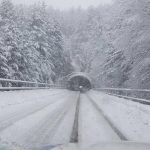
x: 10, y: 37
x: 38, y: 25
x: 4, y: 69
x: 116, y: 68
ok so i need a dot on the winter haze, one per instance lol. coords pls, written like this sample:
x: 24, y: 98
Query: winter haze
x: 66, y: 4
x: 74, y: 71
x: 109, y: 42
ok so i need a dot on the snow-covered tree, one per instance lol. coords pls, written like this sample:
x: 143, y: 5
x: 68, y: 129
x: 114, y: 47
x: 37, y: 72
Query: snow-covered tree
x: 39, y: 27
x: 31, y: 44
x: 10, y: 37
x: 4, y: 69
x: 116, y: 68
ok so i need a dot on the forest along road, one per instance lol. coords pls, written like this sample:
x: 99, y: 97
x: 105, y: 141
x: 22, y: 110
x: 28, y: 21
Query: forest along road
x: 49, y: 117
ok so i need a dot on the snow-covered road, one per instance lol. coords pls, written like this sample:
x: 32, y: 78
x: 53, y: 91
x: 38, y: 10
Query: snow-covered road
x: 93, y: 128
x: 49, y: 117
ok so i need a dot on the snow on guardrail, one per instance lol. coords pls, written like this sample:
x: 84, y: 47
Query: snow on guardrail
x: 139, y: 100
x: 20, y: 81
x: 123, y: 89
x: 26, y: 85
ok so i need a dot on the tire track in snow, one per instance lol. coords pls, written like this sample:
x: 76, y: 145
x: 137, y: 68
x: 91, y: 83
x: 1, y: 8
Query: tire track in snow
x: 28, y: 100
x: 112, y: 125
x: 44, y: 132
x: 17, y: 116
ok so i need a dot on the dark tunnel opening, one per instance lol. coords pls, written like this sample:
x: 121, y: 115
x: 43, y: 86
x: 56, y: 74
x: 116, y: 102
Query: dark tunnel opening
x: 79, y: 83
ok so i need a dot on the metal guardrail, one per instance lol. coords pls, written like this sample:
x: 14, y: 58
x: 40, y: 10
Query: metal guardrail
x: 139, y: 100
x: 21, y: 88
x: 113, y: 91
x: 20, y: 81
x: 122, y: 89
x: 25, y: 85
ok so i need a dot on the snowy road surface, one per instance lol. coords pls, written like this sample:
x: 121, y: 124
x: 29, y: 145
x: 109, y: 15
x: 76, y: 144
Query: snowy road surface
x: 49, y: 117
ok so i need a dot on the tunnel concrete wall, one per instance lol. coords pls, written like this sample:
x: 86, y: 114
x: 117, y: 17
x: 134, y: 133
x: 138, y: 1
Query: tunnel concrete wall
x: 79, y: 82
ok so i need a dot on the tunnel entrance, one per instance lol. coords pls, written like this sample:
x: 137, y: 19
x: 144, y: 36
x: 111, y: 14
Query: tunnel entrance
x: 79, y: 82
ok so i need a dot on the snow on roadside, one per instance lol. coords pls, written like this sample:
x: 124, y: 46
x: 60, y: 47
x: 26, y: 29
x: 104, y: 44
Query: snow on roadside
x: 132, y: 118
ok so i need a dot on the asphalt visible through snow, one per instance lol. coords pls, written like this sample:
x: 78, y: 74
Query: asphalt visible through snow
x: 40, y: 118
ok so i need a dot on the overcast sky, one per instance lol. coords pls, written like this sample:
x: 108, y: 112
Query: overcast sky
x: 66, y: 4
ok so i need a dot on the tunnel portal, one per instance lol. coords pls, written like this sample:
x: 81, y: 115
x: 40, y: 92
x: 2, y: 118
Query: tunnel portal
x: 79, y: 82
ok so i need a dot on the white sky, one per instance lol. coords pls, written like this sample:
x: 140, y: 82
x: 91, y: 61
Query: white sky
x: 66, y: 4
